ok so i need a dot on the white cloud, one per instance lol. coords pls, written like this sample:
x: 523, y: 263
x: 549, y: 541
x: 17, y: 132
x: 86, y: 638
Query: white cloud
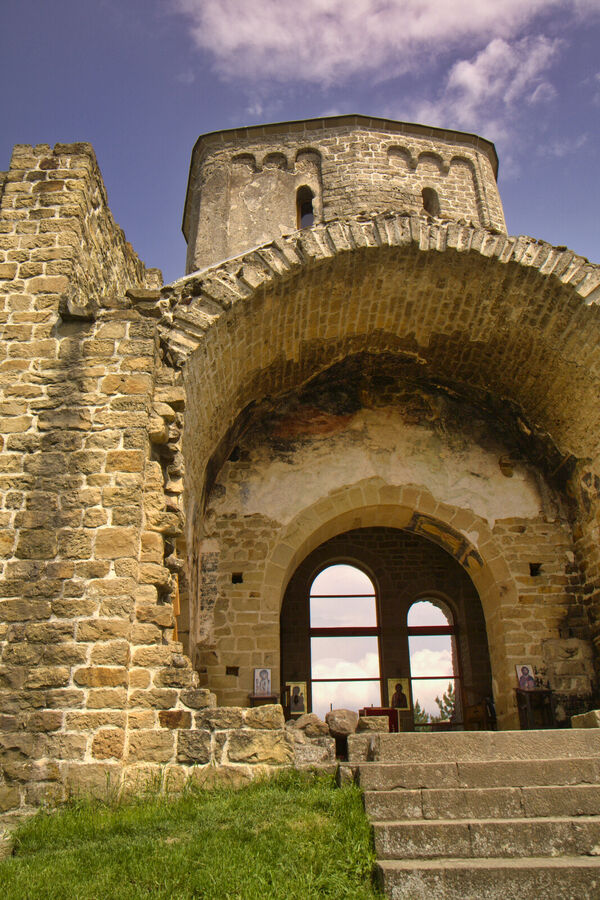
x: 431, y: 662
x: 327, y: 41
x: 543, y: 93
x: 484, y: 93
x: 566, y: 147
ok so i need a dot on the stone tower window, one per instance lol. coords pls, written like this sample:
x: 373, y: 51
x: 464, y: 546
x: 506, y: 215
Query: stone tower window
x: 431, y: 201
x: 304, y: 207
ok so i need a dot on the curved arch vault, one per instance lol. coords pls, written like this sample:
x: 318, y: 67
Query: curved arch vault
x: 506, y: 329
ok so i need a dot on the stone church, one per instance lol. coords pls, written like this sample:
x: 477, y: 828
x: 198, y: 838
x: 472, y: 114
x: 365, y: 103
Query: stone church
x: 359, y: 367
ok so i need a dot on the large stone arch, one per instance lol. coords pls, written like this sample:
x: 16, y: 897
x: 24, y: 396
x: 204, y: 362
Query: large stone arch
x: 513, y: 319
x: 511, y: 324
x: 467, y: 537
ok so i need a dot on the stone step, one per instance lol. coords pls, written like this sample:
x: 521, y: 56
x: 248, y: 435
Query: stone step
x: 503, y: 773
x: 464, y: 746
x: 527, y: 878
x: 481, y: 838
x: 483, y: 803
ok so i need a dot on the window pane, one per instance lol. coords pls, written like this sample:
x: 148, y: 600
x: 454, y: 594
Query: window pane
x: 430, y: 655
x: 347, y: 657
x: 342, y: 579
x: 425, y: 613
x: 344, y: 695
x: 342, y: 612
x: 424, y: 693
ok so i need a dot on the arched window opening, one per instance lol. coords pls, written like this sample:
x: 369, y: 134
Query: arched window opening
x: 434, y: 670
x: 431, y: 201
x: 344, y: 640
x: 304, y: 207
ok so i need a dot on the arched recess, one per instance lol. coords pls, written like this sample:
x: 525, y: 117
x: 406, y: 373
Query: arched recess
x: 510, y: 323
x: 328, y: 640
x: 371, y: 503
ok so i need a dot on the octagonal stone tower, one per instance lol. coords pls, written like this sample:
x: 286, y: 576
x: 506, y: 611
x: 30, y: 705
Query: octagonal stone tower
x: 248, y: 185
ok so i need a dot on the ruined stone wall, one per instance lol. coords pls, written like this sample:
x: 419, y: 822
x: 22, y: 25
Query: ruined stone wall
x: 93, y: 688
x: 242, y: 189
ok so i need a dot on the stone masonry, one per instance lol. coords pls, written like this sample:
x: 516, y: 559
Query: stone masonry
x: 156, y: 441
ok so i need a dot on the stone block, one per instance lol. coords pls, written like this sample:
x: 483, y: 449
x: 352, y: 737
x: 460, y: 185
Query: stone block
x: 175, y: 718
x: 102, y: 629
x: 101, y: 676
x: 155, y: 613
x: 589, y: 719
x: 111, y: 653
x: 107, y: 698
x: 108, y: 743
x: 114, y: 543
x: 99, y: 780
x: 150, y: 746
x: 48, y: 676
x: 268, y: 716
x: 194, y: 747
x: 252, y: 746
x: 310, y: 724
x: 220, y: 719
x: 199, y: 698
x: 373, y: 723
x: 153, y: 699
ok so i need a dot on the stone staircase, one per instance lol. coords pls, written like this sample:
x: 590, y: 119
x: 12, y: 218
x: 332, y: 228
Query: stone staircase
x: 512, y: 815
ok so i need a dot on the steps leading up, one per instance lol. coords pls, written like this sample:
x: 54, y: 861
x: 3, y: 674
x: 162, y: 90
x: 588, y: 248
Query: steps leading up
x: 484, y: 814
x: 565, y: 878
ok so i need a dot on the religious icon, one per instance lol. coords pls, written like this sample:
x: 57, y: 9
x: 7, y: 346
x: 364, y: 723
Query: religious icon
x: 398, y: 693
x: 297, y: 695
x: 262, y: 681
x: 525, y: 676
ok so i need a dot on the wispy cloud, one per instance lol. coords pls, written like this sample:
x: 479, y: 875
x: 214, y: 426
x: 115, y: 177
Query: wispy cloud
x: 329, y: 41
x: 487, y: 92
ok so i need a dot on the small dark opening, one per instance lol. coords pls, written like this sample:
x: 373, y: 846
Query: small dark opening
x: 232, y: 670
x: 431, y: 201
x: 235, y: 454
x: 237, y: 577
x: 304, y: 207
x: 535, y: 569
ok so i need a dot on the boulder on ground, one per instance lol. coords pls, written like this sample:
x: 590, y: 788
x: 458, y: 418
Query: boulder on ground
x: 311, y: 725
x: 342, y: 722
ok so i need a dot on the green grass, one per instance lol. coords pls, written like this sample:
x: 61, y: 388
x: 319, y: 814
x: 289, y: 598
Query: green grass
x: 294, y: 837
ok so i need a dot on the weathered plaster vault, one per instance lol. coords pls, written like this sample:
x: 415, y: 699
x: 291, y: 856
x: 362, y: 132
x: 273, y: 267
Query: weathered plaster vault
x: 174, y: 459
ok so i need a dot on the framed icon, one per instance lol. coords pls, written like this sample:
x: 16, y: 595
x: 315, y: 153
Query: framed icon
x: 399, y: 693
x: 296, y: 691
x: 262, y: 682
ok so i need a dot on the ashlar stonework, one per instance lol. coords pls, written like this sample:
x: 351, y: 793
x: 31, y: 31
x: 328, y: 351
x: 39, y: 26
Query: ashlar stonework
x: 394, y: 379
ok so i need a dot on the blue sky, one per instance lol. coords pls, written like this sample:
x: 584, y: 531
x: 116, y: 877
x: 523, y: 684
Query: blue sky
x: 141, y: 79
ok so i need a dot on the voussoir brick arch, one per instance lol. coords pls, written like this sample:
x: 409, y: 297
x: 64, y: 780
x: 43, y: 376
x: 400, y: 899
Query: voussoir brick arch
x: 509, y: 317
x: 373, y: 503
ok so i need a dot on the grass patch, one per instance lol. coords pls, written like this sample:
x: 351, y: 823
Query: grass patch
x: 293, y: 837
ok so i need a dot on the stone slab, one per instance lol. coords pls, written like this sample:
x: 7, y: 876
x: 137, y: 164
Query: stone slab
x: 512, y: 879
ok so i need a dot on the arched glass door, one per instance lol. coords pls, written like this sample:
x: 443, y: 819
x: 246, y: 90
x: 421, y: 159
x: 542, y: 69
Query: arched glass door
x: 344, y: 640
x: 434, y: 669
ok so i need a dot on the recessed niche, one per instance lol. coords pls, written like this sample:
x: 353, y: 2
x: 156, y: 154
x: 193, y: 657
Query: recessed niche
x: 237, y: 577
x: 232, y: 670
x: 535, y: 569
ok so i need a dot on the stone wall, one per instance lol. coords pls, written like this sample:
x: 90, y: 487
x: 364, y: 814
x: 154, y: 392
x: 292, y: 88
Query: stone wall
x: 243, y: 183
